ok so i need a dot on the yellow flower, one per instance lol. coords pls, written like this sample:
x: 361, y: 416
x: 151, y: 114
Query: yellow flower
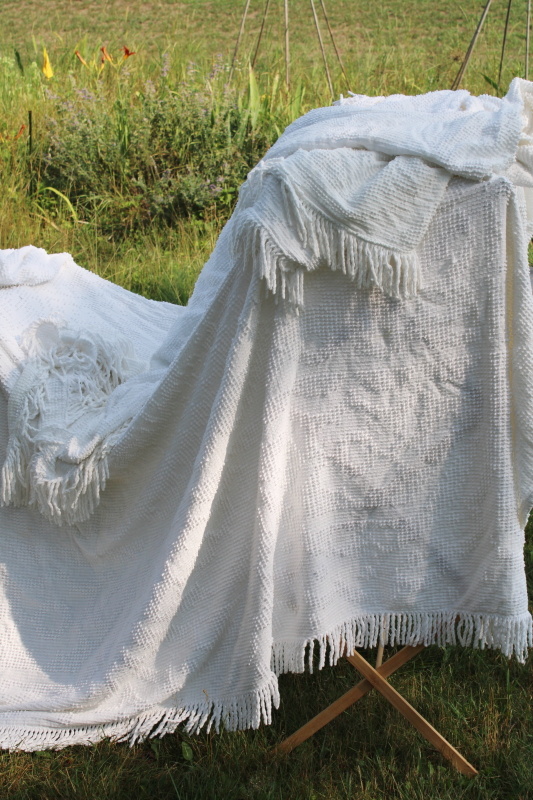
x: 47, y: 67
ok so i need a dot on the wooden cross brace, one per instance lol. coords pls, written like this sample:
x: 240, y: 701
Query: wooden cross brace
x: 375, y: 678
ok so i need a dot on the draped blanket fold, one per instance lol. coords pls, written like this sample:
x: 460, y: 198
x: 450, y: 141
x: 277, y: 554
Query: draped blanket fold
x: 349, y: 210
x: 330, y: 446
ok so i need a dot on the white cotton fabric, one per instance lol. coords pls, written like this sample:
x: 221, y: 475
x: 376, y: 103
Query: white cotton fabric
x: 351, y: 210
x: 193, y: 497
x: 29, y: 266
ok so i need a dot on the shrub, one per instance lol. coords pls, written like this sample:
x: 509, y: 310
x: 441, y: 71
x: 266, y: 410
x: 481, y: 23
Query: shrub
x: 153, y: 154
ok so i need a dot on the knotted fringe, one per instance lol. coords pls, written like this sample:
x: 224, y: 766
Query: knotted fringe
x: 91, y: 369
x: 249, y: 710
x: 65, y: 499
x: 511, y: 635
x: 246, y: 711
x: 322, y: 243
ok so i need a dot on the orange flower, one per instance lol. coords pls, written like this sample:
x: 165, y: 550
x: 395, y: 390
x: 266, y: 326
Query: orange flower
x: 5, y: 137
x: 105, y: 55
x: 127, y: 52
x: 81, y: 58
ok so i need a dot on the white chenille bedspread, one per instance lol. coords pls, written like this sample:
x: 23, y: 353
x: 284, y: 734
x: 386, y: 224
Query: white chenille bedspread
x: 332, y: 443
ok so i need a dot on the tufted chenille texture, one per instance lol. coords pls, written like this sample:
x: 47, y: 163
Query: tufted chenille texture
x: 331, y: 445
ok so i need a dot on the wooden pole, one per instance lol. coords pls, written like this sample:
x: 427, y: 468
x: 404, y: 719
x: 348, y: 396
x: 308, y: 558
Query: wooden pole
x: 459, y: 76
x: 322, y: 48
x: 287, y: 54
x: 400, y: 703
x: 239, y: 37
x: 346, y: 700
x: 527, y: 38
x: 334, y: 45
x: 260, y: 33
x: 504, y: 41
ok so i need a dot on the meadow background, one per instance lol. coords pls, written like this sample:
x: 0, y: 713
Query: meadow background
x: 133, y: 166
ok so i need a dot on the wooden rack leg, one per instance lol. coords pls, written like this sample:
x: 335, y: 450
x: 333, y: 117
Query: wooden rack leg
x: 375, y: 677
x: 346, y: 700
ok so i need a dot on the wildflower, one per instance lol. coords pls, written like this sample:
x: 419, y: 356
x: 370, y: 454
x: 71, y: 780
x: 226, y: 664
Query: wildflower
x: 105, y: 55
x: 81, y: 58
x: 47, y: 67
x: 85, y: 94
x: 218, y: 66
x: 165, y: 69
x: 149, y: 88
x: 127, y: 52
x: 5, y: 136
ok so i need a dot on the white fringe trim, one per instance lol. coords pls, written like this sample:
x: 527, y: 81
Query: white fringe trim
x: 511, y: 635
x: 91, y: 369
x: 367, y: 264
x: 247, y: 711
x: 62, y: 500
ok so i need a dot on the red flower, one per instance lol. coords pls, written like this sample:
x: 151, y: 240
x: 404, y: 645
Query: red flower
x: 127, y: 51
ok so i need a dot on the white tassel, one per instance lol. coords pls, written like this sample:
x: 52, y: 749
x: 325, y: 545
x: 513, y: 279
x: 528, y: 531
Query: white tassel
x: 369, y: 265
x: 511, y: 636
x: 246, y: 711
x: 89, y: 369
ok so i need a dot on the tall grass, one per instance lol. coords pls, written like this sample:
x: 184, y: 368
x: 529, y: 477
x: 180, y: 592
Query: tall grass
x: 122, y: 164
x: 140, y: 156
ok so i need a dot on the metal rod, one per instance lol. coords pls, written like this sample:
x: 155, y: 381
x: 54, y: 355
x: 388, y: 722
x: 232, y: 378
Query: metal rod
x: 287, y: 54
x: 30, y: 132
x: 239, y: 37
x: 30, y: 151
x: 504, y: 41
x: 260, y: 33
x: 459, y: 76
x: 334, y: 45
x: 527, y: 38
x: 322, y: 48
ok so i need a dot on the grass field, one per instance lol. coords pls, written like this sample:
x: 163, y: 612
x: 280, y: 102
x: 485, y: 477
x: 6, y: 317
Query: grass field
x: 180, y: 72
x: 134, y: 168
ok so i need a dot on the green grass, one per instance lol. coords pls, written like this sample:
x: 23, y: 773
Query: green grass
x: 386, y: 46
x: 125, y: 175
x: 120, y: 216
x: 478, y: 700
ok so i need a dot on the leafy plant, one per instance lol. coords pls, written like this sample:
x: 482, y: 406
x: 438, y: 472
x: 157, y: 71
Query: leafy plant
x: 155, y: 154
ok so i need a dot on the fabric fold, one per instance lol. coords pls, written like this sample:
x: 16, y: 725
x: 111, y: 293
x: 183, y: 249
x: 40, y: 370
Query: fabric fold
x: 350, y: 210
x: 56, y: 456
x: 276, y: 482
x: 472, y: 137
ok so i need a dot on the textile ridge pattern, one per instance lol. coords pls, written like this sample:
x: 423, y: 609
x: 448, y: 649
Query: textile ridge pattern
x: 330, y: 446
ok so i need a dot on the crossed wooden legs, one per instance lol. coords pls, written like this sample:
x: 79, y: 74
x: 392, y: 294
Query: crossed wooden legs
x: 375, y: 678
